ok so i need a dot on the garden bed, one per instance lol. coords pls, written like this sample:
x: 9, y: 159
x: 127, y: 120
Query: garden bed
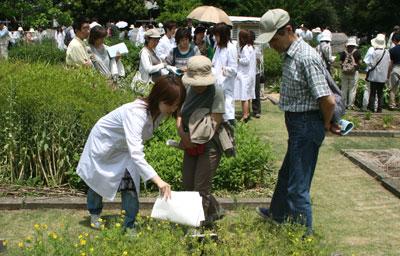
x: 367, y: 121
x: 384, y: 165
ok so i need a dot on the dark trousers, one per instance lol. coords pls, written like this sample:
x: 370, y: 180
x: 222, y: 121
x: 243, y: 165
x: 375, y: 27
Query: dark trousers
x: 256, y: 103
x: 198, y: 172
x: 291, y: 198
x: 376, y: 91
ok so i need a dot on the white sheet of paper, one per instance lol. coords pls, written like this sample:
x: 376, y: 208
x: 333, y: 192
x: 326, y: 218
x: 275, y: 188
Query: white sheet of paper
x: 184, y: 208
x: 113, y: 50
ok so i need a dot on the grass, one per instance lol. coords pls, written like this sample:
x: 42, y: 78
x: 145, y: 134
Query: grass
x: 353, y: 213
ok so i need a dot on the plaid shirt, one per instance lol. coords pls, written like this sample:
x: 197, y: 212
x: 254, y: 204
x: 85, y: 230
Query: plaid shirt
x: 303, y: 80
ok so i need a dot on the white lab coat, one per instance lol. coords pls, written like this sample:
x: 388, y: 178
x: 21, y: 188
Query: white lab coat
x: 165, y: 46
x: 115, y: 144
x: 224, y: 68
x: 246, y: 74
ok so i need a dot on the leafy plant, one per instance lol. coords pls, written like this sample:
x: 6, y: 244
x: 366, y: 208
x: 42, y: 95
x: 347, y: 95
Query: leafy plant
x: 245, y: 171
x: 46, y: 52
x: 44, y: 124
x: 272, y: 64
x: 387, y: 121
x: 368, y: 115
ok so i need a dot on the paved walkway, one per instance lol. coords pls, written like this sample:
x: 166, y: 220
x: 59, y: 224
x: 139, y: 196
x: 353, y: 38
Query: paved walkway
x: 352, y: 210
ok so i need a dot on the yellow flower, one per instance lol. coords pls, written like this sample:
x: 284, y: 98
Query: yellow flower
x: 36, y: 226
x: 118, y: 225
x: 76, y: 245
x: 86, y: 234
x: 83, y: 254
x: 82, y: 242
x: 101, y: 220
x: 44, y: 226
x: 92, y: 225
x: 5, y: 243
x: 125, y: 253
x: 54, y: 236
x: 123, y: 212
x: 309, y: 239
x: 91, y: 249
x: 80, y: 236
x: 28, y: 238
x: 21, y: 244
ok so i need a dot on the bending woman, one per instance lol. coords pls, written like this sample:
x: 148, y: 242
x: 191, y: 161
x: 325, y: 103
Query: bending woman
x: 113, y: 157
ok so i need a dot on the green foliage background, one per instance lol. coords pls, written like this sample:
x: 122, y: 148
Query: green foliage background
x: 363, y: 16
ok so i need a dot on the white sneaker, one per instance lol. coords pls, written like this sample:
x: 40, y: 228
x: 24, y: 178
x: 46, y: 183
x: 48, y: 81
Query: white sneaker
x: 95, y: 221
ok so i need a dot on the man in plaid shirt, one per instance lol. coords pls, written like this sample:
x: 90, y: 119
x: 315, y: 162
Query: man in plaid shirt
x: 308, y: 104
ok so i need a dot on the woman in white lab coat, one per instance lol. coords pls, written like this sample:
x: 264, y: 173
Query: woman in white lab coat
x: 225, y: 67
x: 113, y: 157
x: 245, y: 79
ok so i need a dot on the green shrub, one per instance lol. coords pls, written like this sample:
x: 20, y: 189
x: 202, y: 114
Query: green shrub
x: 47, y: 112
x: 46, y: 52
x: 272, y: 64
x: 252, y: 167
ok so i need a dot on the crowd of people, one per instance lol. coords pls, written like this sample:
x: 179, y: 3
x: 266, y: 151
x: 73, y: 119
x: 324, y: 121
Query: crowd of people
x: 198, y: 73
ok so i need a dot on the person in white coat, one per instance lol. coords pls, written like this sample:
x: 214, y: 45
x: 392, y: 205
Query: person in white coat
x: 167, y: 42
x: 225, y: 68
x: 246, y: 74
x: 59, y: 37
x: 113, y: 158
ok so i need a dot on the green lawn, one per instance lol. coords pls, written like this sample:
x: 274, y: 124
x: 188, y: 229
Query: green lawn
x: 352, y: 211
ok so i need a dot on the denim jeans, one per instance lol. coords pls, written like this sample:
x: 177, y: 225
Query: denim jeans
x: 130, y: 203
x: 291, y: 198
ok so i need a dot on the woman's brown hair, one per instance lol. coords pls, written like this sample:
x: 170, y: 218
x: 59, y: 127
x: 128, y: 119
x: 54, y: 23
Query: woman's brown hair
x: 95, y: 33
x: 244, y: 38
x: 166, y: 89
x: 224, y: 33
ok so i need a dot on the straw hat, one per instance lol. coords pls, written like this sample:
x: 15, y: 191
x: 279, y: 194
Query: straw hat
x: 20, y: 29
x: 352, y: 41
x: 31, y: 30
x: 379, y: 41
x: 152, y: 33
x: 198, y: 72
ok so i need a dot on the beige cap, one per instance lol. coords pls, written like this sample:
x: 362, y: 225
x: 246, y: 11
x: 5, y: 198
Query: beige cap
x: 31, y: 30
x: 198, y: 72
x: 270, y: 22
x: 378, y: 41
x: 152, y: 33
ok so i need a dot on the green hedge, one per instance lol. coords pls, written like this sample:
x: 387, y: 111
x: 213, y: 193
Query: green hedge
x: 46, y: 51
x: 47, y: 112
x: 272, y: 65
x: 252, y: 167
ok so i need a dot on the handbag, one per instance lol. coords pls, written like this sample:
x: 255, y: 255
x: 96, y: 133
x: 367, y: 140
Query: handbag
x: 370, y: 70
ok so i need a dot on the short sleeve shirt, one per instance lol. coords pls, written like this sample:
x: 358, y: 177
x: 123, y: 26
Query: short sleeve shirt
x: 395, y: 55
x: 303, y: 79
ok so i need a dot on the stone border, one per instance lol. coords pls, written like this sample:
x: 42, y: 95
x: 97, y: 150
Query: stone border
x: 8, y: 203
x: 375, y: 133
x: 387, y: 181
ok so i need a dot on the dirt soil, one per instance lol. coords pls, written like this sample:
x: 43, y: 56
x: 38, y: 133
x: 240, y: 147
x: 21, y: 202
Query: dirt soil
x: 374, y: 121
x: 386, y: 160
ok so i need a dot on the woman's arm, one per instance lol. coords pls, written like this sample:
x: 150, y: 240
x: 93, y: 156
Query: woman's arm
x: 147, y: 65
